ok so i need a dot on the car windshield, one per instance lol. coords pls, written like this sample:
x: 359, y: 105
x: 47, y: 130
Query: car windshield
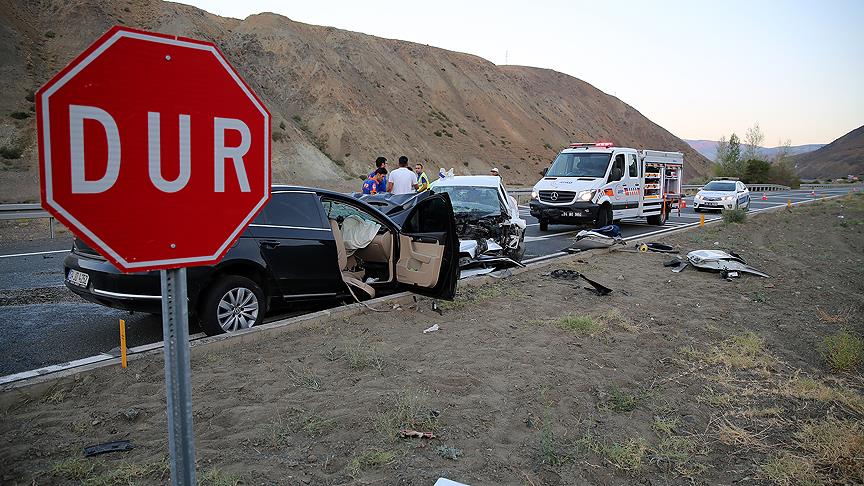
x: 719, y: 186
x: 473, y: 200
x: 579, y: 165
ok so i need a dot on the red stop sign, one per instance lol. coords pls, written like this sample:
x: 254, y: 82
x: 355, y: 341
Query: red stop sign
x: 153, y: 150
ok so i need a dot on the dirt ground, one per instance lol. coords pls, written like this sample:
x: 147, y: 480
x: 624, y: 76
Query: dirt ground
x: 672, y: 379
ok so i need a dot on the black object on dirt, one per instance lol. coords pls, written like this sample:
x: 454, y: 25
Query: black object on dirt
x: 115, y: 446
x: 563, y: 274
x: 660, y: 248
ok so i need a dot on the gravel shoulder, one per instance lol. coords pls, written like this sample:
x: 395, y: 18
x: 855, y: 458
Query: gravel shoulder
x: 672, y: 379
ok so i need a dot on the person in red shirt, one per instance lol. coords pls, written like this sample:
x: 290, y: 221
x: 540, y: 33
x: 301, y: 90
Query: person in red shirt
x: 370, y: 186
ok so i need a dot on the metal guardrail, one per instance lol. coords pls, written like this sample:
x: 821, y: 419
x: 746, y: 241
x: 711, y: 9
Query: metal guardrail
x: 26, y: 211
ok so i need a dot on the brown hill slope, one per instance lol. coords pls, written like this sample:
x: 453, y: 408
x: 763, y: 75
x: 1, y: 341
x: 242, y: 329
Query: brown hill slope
x: 839, y: 158
x: 338, y: 98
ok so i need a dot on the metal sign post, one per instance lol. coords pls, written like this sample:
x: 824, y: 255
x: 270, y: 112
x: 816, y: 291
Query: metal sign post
x: 178, y: 376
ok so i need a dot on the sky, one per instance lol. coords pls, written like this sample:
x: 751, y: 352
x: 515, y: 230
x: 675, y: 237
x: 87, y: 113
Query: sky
x: 700, y: 69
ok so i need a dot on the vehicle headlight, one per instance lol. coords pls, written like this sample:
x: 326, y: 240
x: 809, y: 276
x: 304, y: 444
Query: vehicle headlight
x: 698, y: 197
x: 534, y: 195
x: 727, y: 198
x: 585, y: 195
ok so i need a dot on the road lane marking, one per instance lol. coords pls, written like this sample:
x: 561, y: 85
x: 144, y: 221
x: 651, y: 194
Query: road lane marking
x: 34, y: 253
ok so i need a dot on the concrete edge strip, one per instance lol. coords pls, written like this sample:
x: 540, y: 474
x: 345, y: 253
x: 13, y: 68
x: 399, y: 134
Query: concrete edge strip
x: 54, y: 374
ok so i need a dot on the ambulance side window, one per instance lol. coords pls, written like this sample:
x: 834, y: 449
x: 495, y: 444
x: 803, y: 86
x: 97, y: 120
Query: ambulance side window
x: 617, y: 171
x: 634, y: 167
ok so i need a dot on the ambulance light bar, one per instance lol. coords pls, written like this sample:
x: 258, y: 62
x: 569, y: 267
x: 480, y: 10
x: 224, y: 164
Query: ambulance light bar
x: 591, y: 144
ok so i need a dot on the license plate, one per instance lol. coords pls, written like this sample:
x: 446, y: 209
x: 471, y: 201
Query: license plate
x: 710, y: 204
x: 78, y: 278
x: 569, y: 214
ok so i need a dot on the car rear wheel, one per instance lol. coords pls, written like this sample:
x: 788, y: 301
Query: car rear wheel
x: 231, y: 304
x: 658, y: 220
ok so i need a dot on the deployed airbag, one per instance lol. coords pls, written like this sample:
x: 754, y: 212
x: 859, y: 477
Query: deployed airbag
x: 357, y: 232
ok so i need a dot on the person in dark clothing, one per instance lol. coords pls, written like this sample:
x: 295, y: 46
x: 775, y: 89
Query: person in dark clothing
x: 371, y: 185
x: 380, y: 162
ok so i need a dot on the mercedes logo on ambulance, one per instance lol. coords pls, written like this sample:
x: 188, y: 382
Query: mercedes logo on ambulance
x: 553, y: 196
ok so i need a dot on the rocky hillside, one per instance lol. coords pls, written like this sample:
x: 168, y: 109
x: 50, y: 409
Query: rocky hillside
x: 842, y: 157
x: 339, y: 98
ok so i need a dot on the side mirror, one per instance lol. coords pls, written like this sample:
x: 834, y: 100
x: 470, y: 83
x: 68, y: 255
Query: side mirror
x: 545, y: 170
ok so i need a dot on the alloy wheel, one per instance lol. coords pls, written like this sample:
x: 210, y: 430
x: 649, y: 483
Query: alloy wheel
x: 238, y: 309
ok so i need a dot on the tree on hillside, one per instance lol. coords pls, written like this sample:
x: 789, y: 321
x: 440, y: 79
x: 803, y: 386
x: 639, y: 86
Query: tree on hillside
x: 730, y: 163
x: 722, y: 149
x: 783, y: 169
x: 757, y: 172
x: 753, y: 139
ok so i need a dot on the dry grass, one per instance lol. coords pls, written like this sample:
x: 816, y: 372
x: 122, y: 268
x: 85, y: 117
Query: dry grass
x: 629, y: 455
x: 363, y: 356
x: 370, y: 459
x: 844, y: 351
x: 836, y: 447
x: 583, y: 325
x: 406, y: 411
x: 73, y: 468
x: 215, y: 477
x: 733, y: 435
x: 809, y: 389
x: 788, y: 470
x: 742, y: 351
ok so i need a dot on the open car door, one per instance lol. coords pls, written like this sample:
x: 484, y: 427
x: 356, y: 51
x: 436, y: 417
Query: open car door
x: 428, y: 257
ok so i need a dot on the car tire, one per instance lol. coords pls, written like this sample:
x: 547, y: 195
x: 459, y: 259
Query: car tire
x: 697, y: 210
x: 544, y: 225
x: 230, y: 304
x: 604, y: 216
x: 520, y: 250
x: 658, y: 220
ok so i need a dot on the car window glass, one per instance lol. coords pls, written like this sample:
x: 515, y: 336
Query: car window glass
x: 430, y: 216
x: 634, y: 167
x: 617, y: 171
x: 291, y: 209
x: 339, y: 211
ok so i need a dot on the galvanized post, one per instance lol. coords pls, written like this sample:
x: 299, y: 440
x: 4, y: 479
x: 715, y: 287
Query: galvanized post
x: 51, y: 226
x: 178, y: 382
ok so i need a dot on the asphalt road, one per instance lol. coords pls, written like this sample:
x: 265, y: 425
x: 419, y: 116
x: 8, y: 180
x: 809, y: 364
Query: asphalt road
x: 66, y: 328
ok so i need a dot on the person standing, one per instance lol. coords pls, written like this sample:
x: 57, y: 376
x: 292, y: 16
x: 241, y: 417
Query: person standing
x: 380, y: 162
x: 422, y: 178
x: 372, y: 183
x: 402, y: 180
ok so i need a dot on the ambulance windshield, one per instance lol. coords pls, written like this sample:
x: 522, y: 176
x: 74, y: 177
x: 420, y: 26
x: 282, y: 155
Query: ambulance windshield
x: 580, y: 164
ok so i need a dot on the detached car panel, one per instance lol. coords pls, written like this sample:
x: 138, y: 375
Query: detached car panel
x: 307, y: 244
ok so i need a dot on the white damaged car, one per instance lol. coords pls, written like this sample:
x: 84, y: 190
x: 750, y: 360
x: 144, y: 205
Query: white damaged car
x: 491, y: 233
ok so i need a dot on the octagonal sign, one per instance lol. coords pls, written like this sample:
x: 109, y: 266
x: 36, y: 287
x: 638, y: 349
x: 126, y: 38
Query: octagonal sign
x: 153, y: 150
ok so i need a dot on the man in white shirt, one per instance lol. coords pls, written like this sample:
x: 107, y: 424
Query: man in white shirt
x: 402, y: 180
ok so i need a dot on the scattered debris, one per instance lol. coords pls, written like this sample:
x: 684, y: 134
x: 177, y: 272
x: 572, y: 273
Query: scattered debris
x: 431, y: 329
x: 593, y: 239
x: 447, y: 482
x: 719, y: 261
x: 563, y: 274
x: 131, y: 414
x: 410, y: 433
x: 449, y: 452
x: 115, y: 446
x: 437, y: 309
x: 473, y: 272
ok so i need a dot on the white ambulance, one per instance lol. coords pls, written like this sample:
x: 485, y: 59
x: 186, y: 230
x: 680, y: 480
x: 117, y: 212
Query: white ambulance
x: 598, y: 184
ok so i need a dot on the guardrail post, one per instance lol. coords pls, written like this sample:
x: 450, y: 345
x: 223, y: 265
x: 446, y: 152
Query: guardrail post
x: 51, y: 226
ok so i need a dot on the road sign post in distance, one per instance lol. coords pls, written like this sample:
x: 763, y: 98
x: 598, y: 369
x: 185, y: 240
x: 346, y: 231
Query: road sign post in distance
x: 156, y: 153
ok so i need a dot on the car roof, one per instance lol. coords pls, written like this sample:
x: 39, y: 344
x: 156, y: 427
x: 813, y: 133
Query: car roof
x: 476, y: 180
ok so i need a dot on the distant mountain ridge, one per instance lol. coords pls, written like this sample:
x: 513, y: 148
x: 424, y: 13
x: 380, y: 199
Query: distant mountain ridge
x: 708, y: 148
x: 842, y: 157
x: 339, y: 99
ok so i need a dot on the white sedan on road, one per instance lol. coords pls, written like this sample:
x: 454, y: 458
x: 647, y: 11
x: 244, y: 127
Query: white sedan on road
x: 722, y: 194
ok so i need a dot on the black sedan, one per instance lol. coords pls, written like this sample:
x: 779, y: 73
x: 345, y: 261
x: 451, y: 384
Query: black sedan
x: 305, y: 245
